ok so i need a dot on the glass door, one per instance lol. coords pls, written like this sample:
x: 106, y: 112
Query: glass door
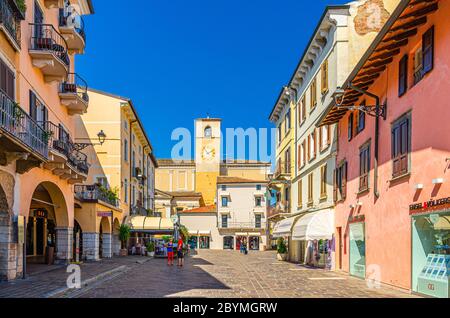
x: 357, y: 250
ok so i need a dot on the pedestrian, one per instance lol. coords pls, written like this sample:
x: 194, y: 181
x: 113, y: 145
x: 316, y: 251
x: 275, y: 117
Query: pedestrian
x: 170, y: 253
x: 180, y: 252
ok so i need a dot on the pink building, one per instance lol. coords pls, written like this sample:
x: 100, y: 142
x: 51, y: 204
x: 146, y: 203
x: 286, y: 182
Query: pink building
x: 392, y: 181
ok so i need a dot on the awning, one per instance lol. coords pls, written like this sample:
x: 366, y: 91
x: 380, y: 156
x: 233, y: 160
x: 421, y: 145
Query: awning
x: 254, y: 234
x: 204, y: 233
x: 193, y: 232
x: 317, y: 225
x: 283, y: 228
x: 150, y: 224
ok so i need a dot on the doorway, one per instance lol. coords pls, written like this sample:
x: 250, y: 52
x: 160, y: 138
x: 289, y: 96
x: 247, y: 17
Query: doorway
x: 357, y: 250
x: 339, y: 246
x: 228, y: 242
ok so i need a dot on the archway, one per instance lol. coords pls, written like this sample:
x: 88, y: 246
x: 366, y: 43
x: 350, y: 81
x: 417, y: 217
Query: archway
x: 5, y: 231
x: 116, y: 240
x: 104, y: 248
x: 48, y: 211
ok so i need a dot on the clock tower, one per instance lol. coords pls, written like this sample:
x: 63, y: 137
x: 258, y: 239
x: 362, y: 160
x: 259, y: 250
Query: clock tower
x: 207, y: 157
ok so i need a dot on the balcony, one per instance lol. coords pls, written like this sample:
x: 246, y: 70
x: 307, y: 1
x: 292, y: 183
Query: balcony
x: 283, y: 169
x: 71, y: 26
x: 73, y: 94
x: 48, y: 50
x: 95, y: 193
x: 64, y: 159
x: 10, y: 18
x: 21, y: 138
x: 138, y: 209
x: 279, y: 209
x: 243, y: 225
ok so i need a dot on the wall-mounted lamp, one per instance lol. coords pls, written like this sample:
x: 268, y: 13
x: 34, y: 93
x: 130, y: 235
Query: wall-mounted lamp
x: 359, y: 203
x: 418, y: 186
x: 101, y: 139
x: 438, y: 181
x: 351, y: 206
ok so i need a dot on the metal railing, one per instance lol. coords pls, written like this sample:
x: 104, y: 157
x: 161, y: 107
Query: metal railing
x: 44, y: 37
x: 75, y: 84
x: 19, y: 124
x: 10, y: 20
x: 138, y: 209
x: 242, y: 225
x: 71, y: 18
x: 278, y: 208
x: 282, y: 168
x: 93, y: 193
x: 59, y: 139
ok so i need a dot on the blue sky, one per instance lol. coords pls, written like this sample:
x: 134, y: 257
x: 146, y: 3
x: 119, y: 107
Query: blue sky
x: 180, y: 60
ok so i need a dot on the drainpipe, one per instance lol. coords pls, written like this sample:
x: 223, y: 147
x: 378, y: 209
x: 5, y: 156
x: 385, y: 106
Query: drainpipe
x: 131, y: 163
x: 377, y: 132
x: 144, y: 163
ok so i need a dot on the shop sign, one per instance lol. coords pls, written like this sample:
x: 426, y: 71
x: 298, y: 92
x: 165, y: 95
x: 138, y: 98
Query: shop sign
x: 104, y: 213
x: 428, y: 205
x: 21, y: 229
x: 40, y: 213
x: 356, y: 218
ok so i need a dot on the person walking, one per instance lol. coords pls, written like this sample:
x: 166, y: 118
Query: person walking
x: 170, y: 253
x: 180, y: 252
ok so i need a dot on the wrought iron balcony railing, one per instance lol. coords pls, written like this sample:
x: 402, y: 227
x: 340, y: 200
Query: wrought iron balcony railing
x: 138, y: 209
x: 60, y: 140
x: 10, y: 18
x: 75, y: 84
x: 44, y: 37
x: 278, y: 208
x: 71, y: 18
x: 282, y: 168
x: 17, y: 123
x: 94, y: 193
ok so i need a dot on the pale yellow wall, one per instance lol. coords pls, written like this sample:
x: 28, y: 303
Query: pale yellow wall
x: 247, y: 173
x: 171, y: 179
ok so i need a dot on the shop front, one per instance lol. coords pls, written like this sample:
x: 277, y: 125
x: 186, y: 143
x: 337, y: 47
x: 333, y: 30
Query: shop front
x: 204, y: 241
x: 357, y: 249
x: 228, y: 242
x: 431, y: 248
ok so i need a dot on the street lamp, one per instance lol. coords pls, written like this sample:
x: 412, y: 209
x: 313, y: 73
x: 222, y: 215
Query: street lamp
x: 101, y: 139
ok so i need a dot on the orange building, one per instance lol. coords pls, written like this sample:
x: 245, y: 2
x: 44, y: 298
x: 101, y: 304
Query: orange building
x: 39, y: 159
x: 392, y: 178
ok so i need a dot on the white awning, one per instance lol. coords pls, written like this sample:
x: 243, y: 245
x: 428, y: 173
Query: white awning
x: 150, y: 224
x: 254, y: 234
x: 317, y: 225
x: 283, y: 228
x: 193, y: 232
x: 204, y: 232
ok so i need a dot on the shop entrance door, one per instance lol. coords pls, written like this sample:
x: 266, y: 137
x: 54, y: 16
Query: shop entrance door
x: 228, y: 243
x: 357, y: 250
x: 339, y: 246
x: 254, y: 243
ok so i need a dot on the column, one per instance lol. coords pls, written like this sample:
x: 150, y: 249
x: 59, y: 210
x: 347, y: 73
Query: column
x: 8, y: 250
x: 107, y: 245
x: 34, y: 237
x: 91, y: 245
x: 64, y: 238
x: 116, y: 245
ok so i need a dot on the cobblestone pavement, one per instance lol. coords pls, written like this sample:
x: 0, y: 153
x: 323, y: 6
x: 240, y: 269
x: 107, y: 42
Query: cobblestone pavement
x: 231, y: 274
x: 45, y: 282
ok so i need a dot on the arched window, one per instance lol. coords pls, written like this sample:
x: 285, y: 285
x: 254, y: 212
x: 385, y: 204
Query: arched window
x: 208, y: 132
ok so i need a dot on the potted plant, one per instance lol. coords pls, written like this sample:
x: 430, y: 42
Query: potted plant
x: 124, y: 235
x: 281, y: 249
x: 151, y: 248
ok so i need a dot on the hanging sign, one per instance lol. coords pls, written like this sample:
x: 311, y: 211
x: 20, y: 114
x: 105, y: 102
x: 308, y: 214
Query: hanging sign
x: 40, y: 213
x: 104, y: 213
x: 21, y: 229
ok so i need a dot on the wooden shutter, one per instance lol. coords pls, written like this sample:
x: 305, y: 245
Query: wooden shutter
x: 364, y: 162
x: 323, y: 184
x: 324, y: 79
x: 400, y: 147
x: 428, y: 50
x: 313, y: 135
x: 404, y: 149
x: 313, y: 93
x: 403, y: 75
x: 328, y: 134
x: 300, y: 190
x: 304, y: 107
x: 344, y: 181
x: 33, y: 106
x: 350, y: 127
x: 7, y: 80
x: 335, y: 198
x: 308, y: 148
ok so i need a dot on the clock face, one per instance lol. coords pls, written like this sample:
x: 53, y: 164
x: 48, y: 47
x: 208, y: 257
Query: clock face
x: 208, y: 153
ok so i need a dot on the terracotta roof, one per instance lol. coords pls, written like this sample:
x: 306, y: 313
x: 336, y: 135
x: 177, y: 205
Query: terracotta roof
x: 172, y: 162
x: 237, y: 180
x: 189, y: 194
x: 202, y: 209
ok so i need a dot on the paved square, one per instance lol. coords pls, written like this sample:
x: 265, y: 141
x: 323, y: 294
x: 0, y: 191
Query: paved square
x: 211, y: 273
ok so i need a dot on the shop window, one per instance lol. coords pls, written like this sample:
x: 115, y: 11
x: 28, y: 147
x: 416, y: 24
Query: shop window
x: 364, y: 167
x: 403, y: 75
x: 400, y: 141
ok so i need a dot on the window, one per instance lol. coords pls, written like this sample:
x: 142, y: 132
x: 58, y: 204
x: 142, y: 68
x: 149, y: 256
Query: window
x: 208, y: 132
x: 312, y: 145
x: 310, y: 189
x: 403, y: 75
x: 304, y: 108
x: 258, y: 187
x: 300, y: 194
x: 418, y: 65
x: 287, y: 120
x: 324, y: 137
x: 340, y: 182
x: 287, y: 161
x: 258, y: 201
x: 279, y: 133
x: 38, y: 111
x: 323, y: 182
x: 133, y: 162
x: 224, y: 202
x: 125, y: 150
x: 7, y: 80
x: 361, y: 120
x: 223, y: 187
x: 364, y: 167
x: 224, y: 220
x: 303, y: 153
x: 103, y: 181
x: 313, y: 94
x: 257, y: 221
x: 299, y: 157
x: 428, y: 50
x: 125, y: 190
x: 125, y: 124
x: 350, y: 127
x: 287, y: 195
x: 324, y: 78
x: 401, y: 146
x: 133, y: 195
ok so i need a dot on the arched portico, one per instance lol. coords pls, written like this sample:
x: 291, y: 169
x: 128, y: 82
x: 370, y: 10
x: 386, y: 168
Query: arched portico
x: 7, y: 271
x: 116, y: 240
x: 105, y: 244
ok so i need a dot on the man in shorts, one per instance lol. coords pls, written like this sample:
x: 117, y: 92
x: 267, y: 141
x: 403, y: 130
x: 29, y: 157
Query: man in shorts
x: 180, y: 252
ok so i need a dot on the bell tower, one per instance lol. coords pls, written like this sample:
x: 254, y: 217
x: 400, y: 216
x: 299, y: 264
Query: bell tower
x: 207, y: 157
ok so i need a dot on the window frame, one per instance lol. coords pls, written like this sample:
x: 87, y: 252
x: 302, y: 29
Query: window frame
x: 364, y: 166
x: 403, y: 75
x: 404, y: 148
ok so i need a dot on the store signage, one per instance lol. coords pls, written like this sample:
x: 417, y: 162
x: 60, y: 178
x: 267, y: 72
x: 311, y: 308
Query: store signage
x: 21, y: 229
x: 40, y: 213
x: 104, y: 213
x: 427, y: 205
x: 356, y: 218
